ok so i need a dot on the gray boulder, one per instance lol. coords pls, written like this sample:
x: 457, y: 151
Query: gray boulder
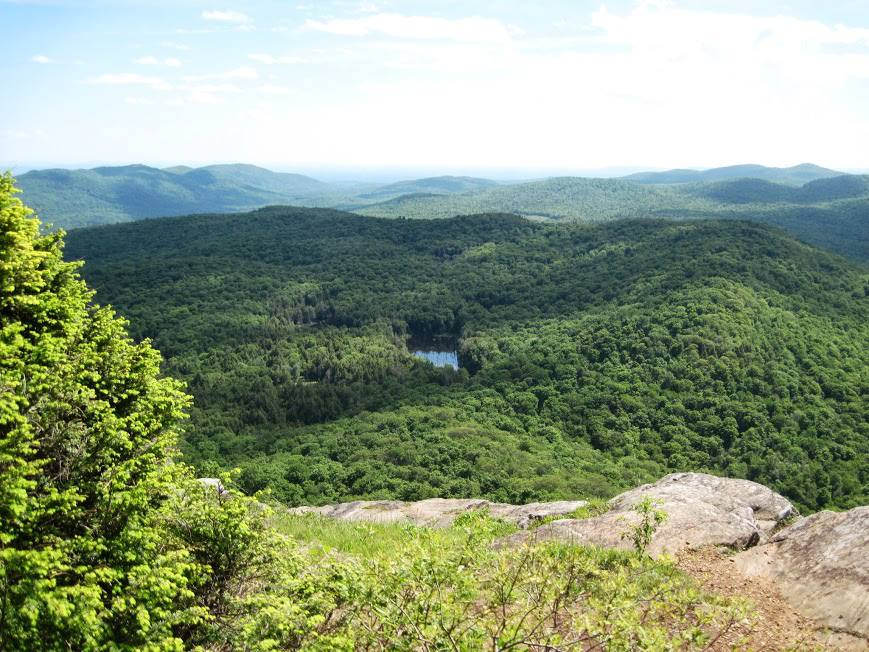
x: 820, y: 565
x: 439, y: 512
x: 701, y: 510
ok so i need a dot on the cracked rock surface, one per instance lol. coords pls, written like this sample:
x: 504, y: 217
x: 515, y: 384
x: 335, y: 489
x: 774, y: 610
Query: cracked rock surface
x: 820, y: 564
x: 701, y: 509
x: 440, y: 512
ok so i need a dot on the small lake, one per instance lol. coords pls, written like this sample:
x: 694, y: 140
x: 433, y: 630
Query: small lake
x: 440, y: 351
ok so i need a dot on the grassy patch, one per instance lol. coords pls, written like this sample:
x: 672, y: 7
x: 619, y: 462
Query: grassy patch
x: 409, y: 587
x: 594, y: 507
x: 383, y: 540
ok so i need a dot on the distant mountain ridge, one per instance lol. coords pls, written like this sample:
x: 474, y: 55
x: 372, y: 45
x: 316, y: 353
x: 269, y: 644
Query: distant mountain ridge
x: 796, y: 175
x: 72, y: 198
x: 818, y: 205
x: 431, y: 185
x: 742, y: 191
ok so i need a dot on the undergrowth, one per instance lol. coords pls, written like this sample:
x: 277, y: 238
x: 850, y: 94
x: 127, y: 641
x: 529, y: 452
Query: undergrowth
x: 403, y: 587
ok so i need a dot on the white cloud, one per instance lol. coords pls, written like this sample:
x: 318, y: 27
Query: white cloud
x: 130, y: 79
x: 41, y: 58
x: 24, y: 134
x: 272, y: 89
x: 666, y: 31
x: 651, y: 85
x: 174, y: 46
x: 270, y: 60
x: 472, y: 30
x: 170, y: 62
x: 226, y: 16
x: 209, y: 93
x: 215, y: 88
x: 244, y: 72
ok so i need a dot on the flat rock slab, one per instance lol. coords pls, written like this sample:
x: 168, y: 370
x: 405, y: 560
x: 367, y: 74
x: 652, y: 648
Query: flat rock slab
x: 701, y: 509
x: 820, y: 564
x: 440, y: 512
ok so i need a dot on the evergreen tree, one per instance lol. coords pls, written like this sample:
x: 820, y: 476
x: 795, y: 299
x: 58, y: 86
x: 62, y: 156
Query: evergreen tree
x: 87, y: 429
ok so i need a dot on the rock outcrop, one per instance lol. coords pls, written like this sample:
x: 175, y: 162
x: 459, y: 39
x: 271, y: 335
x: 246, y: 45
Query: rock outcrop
x: 820, y: 564
x: 701, y: 510
x: 440, y: 512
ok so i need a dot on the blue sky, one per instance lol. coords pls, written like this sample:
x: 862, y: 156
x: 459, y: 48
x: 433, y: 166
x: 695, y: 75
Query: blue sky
x: 452, y: 86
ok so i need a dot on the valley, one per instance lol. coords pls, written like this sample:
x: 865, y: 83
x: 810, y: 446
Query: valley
x: 593, y: 357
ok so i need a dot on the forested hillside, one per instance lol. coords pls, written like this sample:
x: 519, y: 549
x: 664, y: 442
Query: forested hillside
x: 433, y: 185
x: 832, y: 213
x: 796, y: 175
x: 816, y: 205
x: 74, y: 198
x: 758, y: 191
x: 593, y: 357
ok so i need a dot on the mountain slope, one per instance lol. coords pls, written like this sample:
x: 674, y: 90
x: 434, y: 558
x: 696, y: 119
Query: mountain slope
x: 73, y: 198
x: 432, y: 185
x: 796, y: 175
x: 746, y: 191
x: 558, y: 197
x: 593, y: 357
x: 832, y: 213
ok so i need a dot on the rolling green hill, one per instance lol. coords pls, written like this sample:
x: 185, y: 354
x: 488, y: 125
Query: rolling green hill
x: 432, y: 185
x: 796, y: 175
x: 578, y: 198
x: 593, y: 357
x: 758, y: 191
x: 831, y: 211
x: 73, y: 198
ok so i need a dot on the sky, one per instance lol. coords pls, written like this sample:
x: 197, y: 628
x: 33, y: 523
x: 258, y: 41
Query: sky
x: 513, y: 86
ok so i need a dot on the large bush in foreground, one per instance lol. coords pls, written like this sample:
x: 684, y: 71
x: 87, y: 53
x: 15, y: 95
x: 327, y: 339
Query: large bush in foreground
x: 87, y: 427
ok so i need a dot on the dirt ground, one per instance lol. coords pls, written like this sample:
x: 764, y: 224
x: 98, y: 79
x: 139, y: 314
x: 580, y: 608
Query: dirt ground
x: 778, y: 625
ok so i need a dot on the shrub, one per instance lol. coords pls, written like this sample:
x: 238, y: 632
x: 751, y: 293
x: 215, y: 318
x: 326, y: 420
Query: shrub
x: 87, y: 428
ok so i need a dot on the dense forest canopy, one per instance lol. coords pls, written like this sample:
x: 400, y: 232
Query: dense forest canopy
x: 593, y: 357
x: 795, y: 175
x: 817, y: 205
x: 104, y: 195
x: 832, y: 212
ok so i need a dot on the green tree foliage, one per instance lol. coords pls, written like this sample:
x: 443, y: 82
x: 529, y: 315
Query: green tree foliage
x: 594, y: 357
x: 87, y: 429
x: 73, y: 198
x: 819, y: 206
x: 651, y: 517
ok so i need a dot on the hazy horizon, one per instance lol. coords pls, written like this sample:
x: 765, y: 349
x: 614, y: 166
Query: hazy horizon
x: 387, y: 174
x: 417, y: 85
